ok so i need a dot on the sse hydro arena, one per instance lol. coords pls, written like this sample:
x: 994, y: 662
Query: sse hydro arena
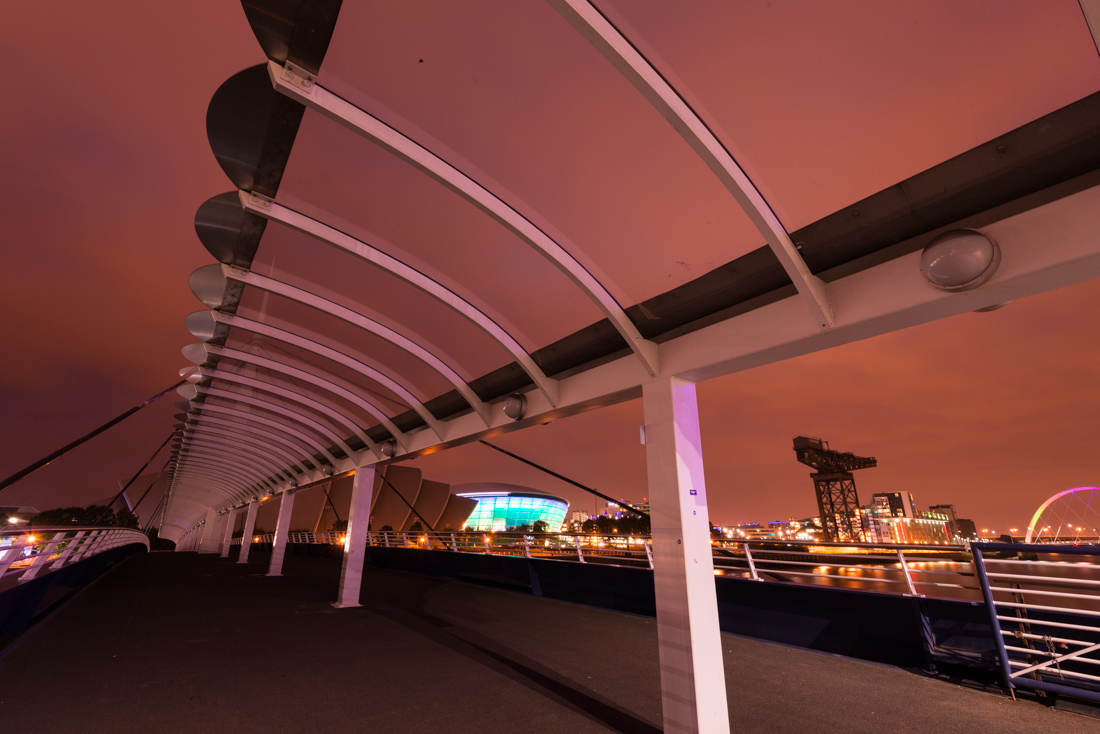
x: 504, y: 506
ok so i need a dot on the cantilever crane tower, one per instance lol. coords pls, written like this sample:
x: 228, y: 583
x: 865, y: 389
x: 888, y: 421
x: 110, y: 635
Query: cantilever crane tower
x: 835, y: 486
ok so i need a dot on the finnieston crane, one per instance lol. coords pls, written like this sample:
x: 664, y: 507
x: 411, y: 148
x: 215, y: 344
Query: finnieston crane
x: 837, y: 501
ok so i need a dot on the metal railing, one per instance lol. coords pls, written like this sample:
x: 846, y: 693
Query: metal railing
x: 26, y: 553
x: 1044, y: 607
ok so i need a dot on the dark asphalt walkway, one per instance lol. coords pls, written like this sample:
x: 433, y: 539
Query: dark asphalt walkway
x: 187, y: 643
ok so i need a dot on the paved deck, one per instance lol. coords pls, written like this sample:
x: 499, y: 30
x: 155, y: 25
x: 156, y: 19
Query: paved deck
x: 187, y: 643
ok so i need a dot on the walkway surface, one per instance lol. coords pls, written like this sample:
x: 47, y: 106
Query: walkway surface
x: 186, y: 643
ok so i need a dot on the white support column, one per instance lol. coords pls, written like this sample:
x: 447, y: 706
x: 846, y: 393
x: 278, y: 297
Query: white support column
x: 230, y: 521
x: 249, y: 527
x: 693, y: 680
x: 211, y: 532
x: 355, y: 539
x: 282, y: 527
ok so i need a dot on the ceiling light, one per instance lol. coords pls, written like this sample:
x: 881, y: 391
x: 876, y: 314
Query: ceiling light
x: 515, y: 406
x: 960, y: 260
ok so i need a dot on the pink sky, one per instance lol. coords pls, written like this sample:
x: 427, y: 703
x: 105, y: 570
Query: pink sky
x: 107, y: 161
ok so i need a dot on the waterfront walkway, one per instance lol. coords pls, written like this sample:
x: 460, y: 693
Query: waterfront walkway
x: 184, y: 643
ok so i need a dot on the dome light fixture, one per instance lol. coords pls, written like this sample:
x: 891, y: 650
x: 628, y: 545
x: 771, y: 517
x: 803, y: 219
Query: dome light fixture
x: 960, y: 260
x: 389, y: 448
x: 515, y: 406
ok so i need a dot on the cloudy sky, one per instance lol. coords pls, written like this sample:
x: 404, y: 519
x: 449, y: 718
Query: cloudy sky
x: 106, y: 162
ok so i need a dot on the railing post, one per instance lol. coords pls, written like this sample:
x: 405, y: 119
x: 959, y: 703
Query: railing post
x: 282, y: 528
x: 454, y: 543
x: 386, y: 537
x: 526, y: 546
x: 648, y: 552
x: 73, y: 542
x: 998, y: 638
x: 752, y: 564
x: 908, y: 578
x: 488, y: 545
x: 44, y: 556
x: 355, y: 537
x: 405, y: 539
x: 580, y: 554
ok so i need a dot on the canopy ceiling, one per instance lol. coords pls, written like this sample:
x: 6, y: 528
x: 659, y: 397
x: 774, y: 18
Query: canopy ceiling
x: 438, y: 205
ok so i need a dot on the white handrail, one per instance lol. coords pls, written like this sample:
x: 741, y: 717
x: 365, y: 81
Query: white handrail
x: 26, y: 552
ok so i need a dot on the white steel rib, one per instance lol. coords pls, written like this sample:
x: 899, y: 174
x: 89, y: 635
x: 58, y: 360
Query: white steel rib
x: 305, y: 297
x: 324, y: 383
x: 291, y: 431
x: 310, y: 345
x: 337, y: 416
x: 300, y: 454
x: 266, y: 447
x: 324, y: 233
x: 359, y: 121
x: 617, y: 49
x: 294, y: 415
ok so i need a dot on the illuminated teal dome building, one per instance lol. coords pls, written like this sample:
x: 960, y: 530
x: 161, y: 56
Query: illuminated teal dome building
x: 504, y: 506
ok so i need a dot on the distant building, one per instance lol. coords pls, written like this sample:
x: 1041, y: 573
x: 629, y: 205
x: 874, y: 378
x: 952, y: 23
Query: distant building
x: 967, y: 528
x: 952, y: 517
x: 503, y: 510
x: 579, y: 516
x: 893, y: 504
x: 616, y: 512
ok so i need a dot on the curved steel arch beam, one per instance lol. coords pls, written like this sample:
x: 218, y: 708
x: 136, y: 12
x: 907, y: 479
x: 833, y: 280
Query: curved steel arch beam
x: 321, y: 350
x: 241, y: 453
x: 297, y: 455
x: 367, y: 324
x: 233, y: 464
x: 298, y: 435
x: 617, y: 49
x: 357, y: 248
x: 338, y: 417
x: 231, y: 482
x: 272, y: 452
x: 359, y: 121
x: 200, y: 489
x: 303, y: 454
x: 293, y: 415
x: 315, y: 380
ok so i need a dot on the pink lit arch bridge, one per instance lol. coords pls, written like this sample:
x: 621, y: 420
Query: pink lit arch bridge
x: 1067, y: 515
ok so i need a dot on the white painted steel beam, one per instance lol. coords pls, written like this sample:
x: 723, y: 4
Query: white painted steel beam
x: 693, y: 680
x: 359, y: 121
x: 357, y: 248
x: 231, y: 518
x: 219, y: 471
x: 617, y: 49
x: 249, y: 528
x: 300, y: 452
x: 338, y: 417
x: 297, y: 339
x: 299, y: 418
x: 290, y: 431
x: 340, y: 390
x: 427, y: 356
x: 238, y: 452
x: 210, y: 429
x: 355, y: 539
x: 282, y: 528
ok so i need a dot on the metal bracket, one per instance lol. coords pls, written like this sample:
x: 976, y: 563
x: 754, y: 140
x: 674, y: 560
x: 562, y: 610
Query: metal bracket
x: 298, y: 77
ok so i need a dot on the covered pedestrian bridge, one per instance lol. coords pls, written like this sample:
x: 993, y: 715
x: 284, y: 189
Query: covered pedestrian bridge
x: 449, y: 221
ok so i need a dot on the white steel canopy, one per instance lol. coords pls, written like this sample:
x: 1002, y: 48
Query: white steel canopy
x: 441, y: 204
